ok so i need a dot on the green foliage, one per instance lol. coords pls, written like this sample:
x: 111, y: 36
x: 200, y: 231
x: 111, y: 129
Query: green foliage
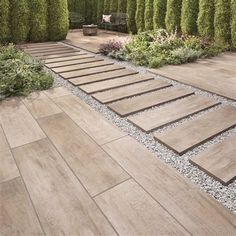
x: 122, y: 6
x: 159, y: 9
x: 19, y: 16
x: 89, y: 11
x: 100, y: 6
x: 173, y: 15
x: 222, y: 22
x: 20, y: 74
x: 206, y: 18
x: 4, y: 19
x: 131, y: 10
x: 58, y: 23
x: 148, y: 14
x: 189, y: 16
x: 113, y: 6
x: 106, y: 9
x: 80, y: 7
x: 139, y: 17
x: 233, y: 22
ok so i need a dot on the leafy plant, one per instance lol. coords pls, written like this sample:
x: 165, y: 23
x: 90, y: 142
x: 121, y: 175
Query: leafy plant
x: 111, y: 46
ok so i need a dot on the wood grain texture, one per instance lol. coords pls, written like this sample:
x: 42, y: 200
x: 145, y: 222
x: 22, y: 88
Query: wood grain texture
x: 148, y: 121
x: 114, y: 83
x: 54, y: 53
x: 57, y: 92
x: 219, y: 161
x: 145, y: 101
x: 69, y: 58
x: 133, y: 212
x: 193, y: 133
x: 17, y: 216
x: 96, y: 170
x: 130, y: 90
x: 18, y: 124
x: 39, y: 45
x: 195, y: 210
x: 62, y: 56
x: 62, y: 204
x: 46, y: 49
x: 96, y: 126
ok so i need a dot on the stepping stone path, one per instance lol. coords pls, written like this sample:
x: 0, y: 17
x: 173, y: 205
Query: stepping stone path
x: 126, y: 92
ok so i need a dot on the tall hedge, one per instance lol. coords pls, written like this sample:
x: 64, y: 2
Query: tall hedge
x: 189, y: 16
x: 222, y: 21
x: 88, y: 11
x: 148, y: 14
x: 233, y: 22
x: 4, y: 21
x: 19, y: 20
x: 94, y: 11
x: 131, y: 12
x: 113, y: 5
x: 206, y: 18
x: 100, y: 10
x: 106, y: 7
x: 159, y: 14
x: 58, y: 23
x: 139, y: 17
x: 80, y: 8
x: 173, y: 15
x: 122, y: 6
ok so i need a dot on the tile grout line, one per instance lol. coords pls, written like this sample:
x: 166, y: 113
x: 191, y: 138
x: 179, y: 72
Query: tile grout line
x: 9, y: 180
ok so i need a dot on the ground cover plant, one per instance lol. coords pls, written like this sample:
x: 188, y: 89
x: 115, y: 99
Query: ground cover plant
x: 20, y: 74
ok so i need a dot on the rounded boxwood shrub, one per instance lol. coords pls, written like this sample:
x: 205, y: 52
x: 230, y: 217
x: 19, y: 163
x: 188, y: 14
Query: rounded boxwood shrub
x: 122, y: 6
x: 173, y: 15
x: 189, y: 16
x: 58, y: 22
x: 159, y: 8
x: 139, y: 17
x: 131, y: 11
x: 100, y: 11
x: 233, y: 22
x: 114, y: 6
x: 4, y: 21
x: 206, y: 18
x: 148, y: 15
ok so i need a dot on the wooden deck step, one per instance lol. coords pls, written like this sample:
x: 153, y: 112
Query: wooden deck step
x: 79, y: 73
x: 114, y: 83
x: 39, y: 45
x: 43, y: 50
x: 76, y: 56
x: 102, y: 77
x: 190, y: 206
x: 82, y: 66
x: 47, y: 53
x: 130, y: 90
x: 148, y: 121
x: 219, y: 161
x: 63, y: 55
x: 193, y: 133
x: 140, y: 103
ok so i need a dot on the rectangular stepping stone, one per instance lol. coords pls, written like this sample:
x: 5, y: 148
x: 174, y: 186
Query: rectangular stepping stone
x: 39, y: 45
x: 57, y: 92
x: 61, y: 202
x: 193, y: 133
x: 114, y: 83
x: 79, y: 73
x: 124, y: 207
x: 82, y: 66
x: 43, y: 50
x: 58, y: 52
x: 102, y: 77
x: 62, y: 55
x: 219, y: 161
x: 140, y: 103
x: 68, y: 59
x: 130, y: 90
x: 148, y: 121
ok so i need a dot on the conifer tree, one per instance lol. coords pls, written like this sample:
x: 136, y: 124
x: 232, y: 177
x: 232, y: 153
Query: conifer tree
x: 100, y: 10
x: 106, y: 8
x: 113, y: 6
x: 148, y: 15
x: 131, y: 12
x: 122, y: 6
x: 4, y: 21
x: 159, y: 8
x: 139, y: 17
x: 233, y: 22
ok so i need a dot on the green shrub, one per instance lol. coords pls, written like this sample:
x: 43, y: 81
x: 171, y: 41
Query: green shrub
x: 122, y: 6
x: 106, y: 9
x: 173, y: 15
x: 58, y: 22
x: 189, y: 16
x: 19, y: 16
x: 139, y: 17
x: 100, y: 6
x: 94, y: 12
x: 222, y: 22
x: 206, y: 18
x: 131, y: 11
x: 113, y: 5
x: 4, y: 19
x: 159, y: 8
x: 89, y: 11
x: 148, y: 14
x: 233, y: 22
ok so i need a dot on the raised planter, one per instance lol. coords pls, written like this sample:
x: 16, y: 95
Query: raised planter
x: 90, y: 30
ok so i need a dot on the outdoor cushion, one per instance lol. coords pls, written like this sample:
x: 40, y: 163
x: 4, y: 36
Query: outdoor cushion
x: 106, y: 18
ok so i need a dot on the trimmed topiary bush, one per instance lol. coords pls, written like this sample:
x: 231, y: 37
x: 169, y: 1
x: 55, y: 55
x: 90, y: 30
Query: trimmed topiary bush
x: 173, y: 15
x: 148, y: 15
x: 131, y: 11
x: 139, y: 17
x: 189, y: 16
x: 122, y: 6
x: 159, y: 14
x: 206, y: 18
x: 58, y: 23
x: 222, y: 22
x: 233, y: 23
x: 113, y: 6
x: 4, y: 21
x: 106, y: 9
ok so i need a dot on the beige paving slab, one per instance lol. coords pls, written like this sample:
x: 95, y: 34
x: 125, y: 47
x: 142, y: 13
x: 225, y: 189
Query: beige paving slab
x: 219, y: 161
x: 134, y: 212
x: 130, y: 90
x: 82, y: 66
x: 46, y: 49
x: 96, y: 170
x: 68, y: 58
x: 93, y: 123
x: 57, y: 92
x: 63, y: 55
x: 17, y: 216
x: 145, y: 101
x: 79, y: 73
x: 8, y: 169
x: 198, y: 213
x: 39, y: 45
x: 54, y: 53
x: 62, y: 204
x: 102, y: 76
x: 148, y: 121
x: 18, y: 124
x: 114, y: 83
x: 193, y: 133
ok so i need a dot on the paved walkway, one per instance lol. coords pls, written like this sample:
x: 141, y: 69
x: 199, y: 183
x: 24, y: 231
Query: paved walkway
x: 65, y: 170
